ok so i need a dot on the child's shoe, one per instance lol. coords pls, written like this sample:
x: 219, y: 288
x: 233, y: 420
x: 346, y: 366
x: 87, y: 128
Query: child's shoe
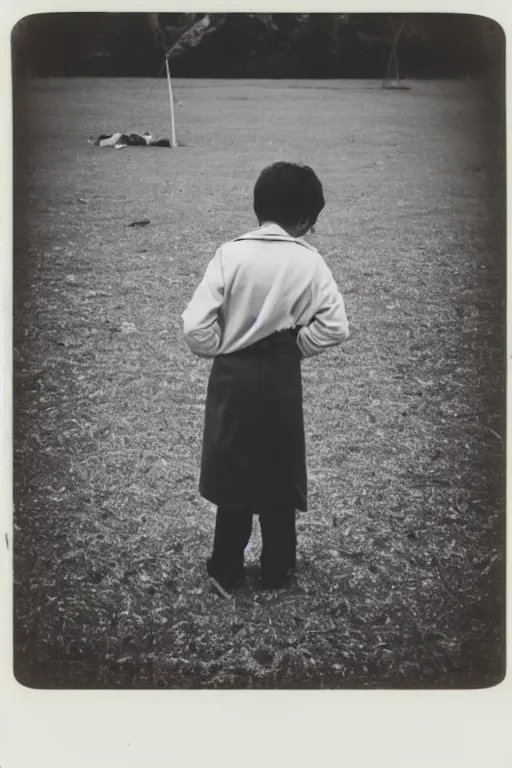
x: 278, y: 582
x: 221, y: 584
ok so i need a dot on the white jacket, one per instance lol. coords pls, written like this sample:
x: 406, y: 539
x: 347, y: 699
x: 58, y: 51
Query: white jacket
x: 262, y: 282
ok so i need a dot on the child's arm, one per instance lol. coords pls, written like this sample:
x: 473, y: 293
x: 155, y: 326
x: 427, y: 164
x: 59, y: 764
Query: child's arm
x: 329, y: 324
x: 201, y: 327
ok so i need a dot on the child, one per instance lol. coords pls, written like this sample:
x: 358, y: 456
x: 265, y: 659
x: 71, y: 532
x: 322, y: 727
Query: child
x: 267, y: 300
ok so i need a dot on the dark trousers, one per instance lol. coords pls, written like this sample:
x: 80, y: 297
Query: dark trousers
x: 232, y: 533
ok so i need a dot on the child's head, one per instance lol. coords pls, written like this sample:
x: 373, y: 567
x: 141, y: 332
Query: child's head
x: 290, y: 195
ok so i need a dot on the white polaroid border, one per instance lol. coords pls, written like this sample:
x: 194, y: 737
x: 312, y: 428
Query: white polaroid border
x: 103, y: 729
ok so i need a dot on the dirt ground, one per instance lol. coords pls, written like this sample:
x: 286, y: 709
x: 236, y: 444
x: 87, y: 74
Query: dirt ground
x: 401, y: 556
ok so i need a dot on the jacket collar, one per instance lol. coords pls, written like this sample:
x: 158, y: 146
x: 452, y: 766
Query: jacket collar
x: 274, y: 233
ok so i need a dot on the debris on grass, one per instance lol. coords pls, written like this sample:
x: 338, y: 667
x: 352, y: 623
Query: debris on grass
x: 400, y: 579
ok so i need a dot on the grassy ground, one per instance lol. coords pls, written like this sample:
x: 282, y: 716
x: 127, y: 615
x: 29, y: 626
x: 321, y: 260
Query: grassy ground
x: 401, y: 554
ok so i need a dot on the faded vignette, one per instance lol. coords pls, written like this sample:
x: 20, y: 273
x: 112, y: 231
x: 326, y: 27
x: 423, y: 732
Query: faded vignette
x: 320, y: 726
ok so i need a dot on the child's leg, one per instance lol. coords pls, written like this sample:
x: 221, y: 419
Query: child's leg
x: 279, y: 544
x: 232, y: 533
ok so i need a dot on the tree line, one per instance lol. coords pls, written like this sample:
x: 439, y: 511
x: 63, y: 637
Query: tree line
x: 258, y: 45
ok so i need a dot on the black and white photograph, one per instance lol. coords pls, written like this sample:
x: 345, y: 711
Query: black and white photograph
x: 259, y: 351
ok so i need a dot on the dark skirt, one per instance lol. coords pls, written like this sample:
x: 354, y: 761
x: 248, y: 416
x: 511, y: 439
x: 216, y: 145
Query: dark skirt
x: 253, y: 445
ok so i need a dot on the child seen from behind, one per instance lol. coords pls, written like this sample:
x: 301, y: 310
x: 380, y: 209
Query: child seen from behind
x: 267, y: 301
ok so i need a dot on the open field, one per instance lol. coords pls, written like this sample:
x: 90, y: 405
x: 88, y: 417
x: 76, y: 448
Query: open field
x: 401, y: 555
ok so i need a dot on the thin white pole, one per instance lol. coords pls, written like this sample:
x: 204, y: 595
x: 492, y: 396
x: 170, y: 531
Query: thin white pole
x: 174, y: 143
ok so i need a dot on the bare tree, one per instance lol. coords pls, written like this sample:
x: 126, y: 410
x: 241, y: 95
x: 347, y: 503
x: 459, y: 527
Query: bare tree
x: 397, y: 29
x: 177, y: 40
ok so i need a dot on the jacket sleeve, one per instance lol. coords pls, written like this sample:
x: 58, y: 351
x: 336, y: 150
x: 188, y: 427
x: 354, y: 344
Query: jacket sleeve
x: 329, y: 325
x: 201, y: 327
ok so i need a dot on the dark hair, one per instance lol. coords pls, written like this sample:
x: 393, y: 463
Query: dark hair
x: 287, y: 193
